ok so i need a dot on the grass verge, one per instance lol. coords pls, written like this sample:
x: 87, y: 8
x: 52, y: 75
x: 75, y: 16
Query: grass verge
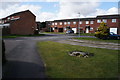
x: 86, y: 34
x: 59, y: 64
x: 96, y: 39
x: 54, y: 32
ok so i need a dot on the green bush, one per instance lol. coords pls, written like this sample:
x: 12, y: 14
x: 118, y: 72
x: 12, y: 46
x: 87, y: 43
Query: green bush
x: 102, y: 32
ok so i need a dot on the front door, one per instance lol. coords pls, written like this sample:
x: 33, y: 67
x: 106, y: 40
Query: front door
x: 87, y: 30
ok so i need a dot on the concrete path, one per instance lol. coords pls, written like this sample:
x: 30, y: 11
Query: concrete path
x: 96, y: 44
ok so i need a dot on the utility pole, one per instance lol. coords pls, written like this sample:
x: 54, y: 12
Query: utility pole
x: 79, y: 24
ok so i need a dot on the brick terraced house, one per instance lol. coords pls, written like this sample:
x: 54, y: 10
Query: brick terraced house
x: 21, y: 23
x: 87, y: 25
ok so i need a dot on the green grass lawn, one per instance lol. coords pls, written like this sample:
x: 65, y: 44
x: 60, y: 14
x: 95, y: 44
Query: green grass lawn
x: 54, y: 32
x: 86, y: 34
x: 96, y: 39
x: 15, y: 36
x: 104, y: 63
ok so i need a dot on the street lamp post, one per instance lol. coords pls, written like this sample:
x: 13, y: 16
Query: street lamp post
x: 79, y: 24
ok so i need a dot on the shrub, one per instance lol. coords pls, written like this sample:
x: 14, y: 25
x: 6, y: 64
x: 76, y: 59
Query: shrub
x: 102, y: 32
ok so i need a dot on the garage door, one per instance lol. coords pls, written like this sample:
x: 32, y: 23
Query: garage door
x: 75, y: 30
x: 114, y: 30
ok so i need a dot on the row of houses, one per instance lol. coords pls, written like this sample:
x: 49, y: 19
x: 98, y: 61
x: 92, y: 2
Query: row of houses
x: 86, y: 25
x: 24, y: 23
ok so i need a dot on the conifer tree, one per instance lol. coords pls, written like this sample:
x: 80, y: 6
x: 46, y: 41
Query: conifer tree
x: 102, y: 31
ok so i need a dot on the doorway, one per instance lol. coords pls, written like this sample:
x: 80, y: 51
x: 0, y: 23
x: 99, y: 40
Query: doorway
x: 60, y: 30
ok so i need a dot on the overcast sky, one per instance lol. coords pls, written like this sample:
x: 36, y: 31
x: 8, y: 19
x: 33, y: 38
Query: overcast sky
x: 46, y: 10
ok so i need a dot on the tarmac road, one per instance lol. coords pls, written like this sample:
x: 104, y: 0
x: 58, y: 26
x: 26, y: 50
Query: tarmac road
x: 24, y: 61
x: 23, y: 58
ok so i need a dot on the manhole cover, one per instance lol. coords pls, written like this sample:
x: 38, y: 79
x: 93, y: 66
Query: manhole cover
x: 81, y: 54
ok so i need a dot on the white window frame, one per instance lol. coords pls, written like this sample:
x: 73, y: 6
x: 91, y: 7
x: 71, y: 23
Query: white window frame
x: 98, y: 21
x: 60, y: 23
x: 87, y: 22
x: 91, y: 22
x: 114, y: 20
x: 52, y: 23
x: 65, y: 23
x: 80, y: 22
x: 68, y: 22
x: 55, y: 23
x: 104, y: 20
x: 74, y: 22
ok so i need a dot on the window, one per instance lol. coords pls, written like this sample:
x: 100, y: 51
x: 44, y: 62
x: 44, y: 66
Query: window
x: 8, y: 18
x: 104, y: 20
x: 68, y: 22
x: 98, y: 21
x: 91, y: 28
x: 80, y: 22
x: 52, y: 23
x: 113, y: 20
x: 74, y: 22
x: 60, y: 23
x: 87, y: 22
x: 65, y: 23
x: 56, y: 23
x: 91, y: 22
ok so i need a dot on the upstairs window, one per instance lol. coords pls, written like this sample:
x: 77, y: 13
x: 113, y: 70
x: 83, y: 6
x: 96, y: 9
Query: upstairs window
x: 98, y: 21
x: 104, y: 20
x: 60, y: 23
x: 68, y: 22
x: 80, y: 22
x: 74, y: 22
x: 52, y: 23
x: 56, y: 23
x: 91, y: 22
x: 113, y: 20
x: 65, y: 23
x: 87, y: 22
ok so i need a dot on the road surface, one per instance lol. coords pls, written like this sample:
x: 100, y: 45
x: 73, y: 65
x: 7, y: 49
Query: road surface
x: 24, y: 61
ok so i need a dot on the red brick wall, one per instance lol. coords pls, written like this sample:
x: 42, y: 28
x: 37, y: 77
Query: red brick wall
x: 95, y: 25
x: 25, y: 25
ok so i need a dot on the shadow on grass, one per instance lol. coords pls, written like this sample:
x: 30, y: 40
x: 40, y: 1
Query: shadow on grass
x: 15, y: 36
x: 18, y: 69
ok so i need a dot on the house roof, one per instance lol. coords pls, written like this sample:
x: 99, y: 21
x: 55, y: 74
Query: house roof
x: 15, y: 14
x: 116, y: 16
x: 75, y: 19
